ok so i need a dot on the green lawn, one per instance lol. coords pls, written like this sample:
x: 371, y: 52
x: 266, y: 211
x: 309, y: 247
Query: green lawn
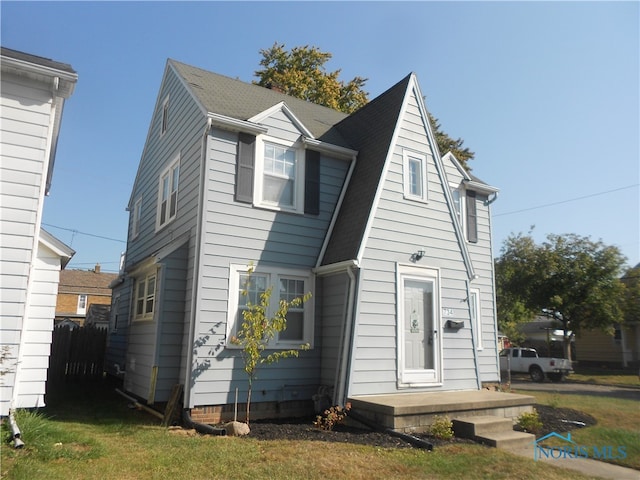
x: 621, y: 378
x: 86, y: 435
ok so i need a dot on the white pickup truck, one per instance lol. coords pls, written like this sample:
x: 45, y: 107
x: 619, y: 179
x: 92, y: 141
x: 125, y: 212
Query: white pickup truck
x: 526, y: 360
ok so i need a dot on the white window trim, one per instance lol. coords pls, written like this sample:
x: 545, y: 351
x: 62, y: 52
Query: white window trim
x: 462, y: 215
x: 477, y: 327
x: 168, y: 172
x: 144, y: 277
x: 298, y: 195
x: 137, y: 214
x: 407, y: 155
x: 273, y: 274
x: 164, y: 116
x: 82, y: 310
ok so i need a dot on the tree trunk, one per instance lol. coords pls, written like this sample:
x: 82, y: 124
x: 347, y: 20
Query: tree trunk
x: 248, y: 401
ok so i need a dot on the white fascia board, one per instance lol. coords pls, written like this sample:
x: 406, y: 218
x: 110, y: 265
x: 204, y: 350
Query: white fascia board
x: 336, y: 267
x: 287, y: 111
x: 228, y: 123
x: 452, y: 158
x: 43, y: 72
x: 58, y: 247
x: 336, y: 151
x: 481, y: 187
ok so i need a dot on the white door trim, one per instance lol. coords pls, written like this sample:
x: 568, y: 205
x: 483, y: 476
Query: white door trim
x: 408, y: 378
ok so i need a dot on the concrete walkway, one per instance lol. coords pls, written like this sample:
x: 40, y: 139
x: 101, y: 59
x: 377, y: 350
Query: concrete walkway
x: 586, y: 466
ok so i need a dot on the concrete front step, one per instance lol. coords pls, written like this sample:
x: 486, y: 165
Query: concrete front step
x: 510, y: 439
x: 470, y: 427
x: 493, y: 431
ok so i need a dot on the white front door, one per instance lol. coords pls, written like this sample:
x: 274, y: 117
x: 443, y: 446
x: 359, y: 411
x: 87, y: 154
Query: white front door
x: 419, y: 327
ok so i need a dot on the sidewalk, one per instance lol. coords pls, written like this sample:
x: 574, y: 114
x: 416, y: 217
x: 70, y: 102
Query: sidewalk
x: 586, y: 466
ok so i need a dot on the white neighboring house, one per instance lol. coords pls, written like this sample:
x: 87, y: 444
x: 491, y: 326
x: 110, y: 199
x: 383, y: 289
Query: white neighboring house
x: 32, y: 95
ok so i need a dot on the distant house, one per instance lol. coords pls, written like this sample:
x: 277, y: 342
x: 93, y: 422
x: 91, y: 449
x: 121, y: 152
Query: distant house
x: 84, y: 294
x: 32, y: 96
x: 392, y: 239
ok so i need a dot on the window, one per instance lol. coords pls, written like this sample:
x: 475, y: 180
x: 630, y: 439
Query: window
x: 472, y: 217
x: 145, y: 297
x: 168, y: 193
x: 82, y: 305
x: 165, y: 116
x: 285, y: 285
x: 476, y: 319
x: 280, y: 174
x: 137, y: 212
x: 415, y: 176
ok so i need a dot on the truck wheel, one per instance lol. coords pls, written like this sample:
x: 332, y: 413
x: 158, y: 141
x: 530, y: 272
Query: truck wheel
x: 556, y: 377
x: 536, y: 374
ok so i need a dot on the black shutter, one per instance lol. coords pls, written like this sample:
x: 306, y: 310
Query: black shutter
x: 312, y: 182
x: 472, y: 217
x: 245, y: 168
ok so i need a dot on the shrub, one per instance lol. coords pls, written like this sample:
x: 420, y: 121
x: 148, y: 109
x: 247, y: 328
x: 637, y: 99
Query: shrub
x: 332, y: 417
x: 530, y: 422
x: 442, y: 428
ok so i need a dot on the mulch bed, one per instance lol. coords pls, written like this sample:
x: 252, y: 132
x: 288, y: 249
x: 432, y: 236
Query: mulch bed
x: 303, y: 429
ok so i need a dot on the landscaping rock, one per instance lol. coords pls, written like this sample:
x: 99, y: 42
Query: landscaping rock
x: 237, y: 429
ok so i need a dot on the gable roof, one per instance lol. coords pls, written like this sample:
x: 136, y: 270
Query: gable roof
x: 370, y: 131
x: 85, y: 282
x: 242, y: 101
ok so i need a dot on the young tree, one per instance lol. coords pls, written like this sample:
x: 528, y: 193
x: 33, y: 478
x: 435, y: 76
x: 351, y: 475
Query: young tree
x: 258, y: 329
x: 301, y: 73
x: 572, y: 277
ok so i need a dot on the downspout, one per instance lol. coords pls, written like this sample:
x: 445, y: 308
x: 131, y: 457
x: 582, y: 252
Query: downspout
x: 196, y: 268
x: 473, y: 335
x: 339, y: 397
x: 15, y: 431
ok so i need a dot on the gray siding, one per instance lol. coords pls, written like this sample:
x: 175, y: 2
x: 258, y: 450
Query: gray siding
x: 333, y: 291
x: 423, y: 225
x: 237, y: 233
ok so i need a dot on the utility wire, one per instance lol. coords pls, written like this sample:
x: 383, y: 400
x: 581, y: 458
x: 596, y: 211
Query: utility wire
x: 566, y: 201
x: 84, y: 233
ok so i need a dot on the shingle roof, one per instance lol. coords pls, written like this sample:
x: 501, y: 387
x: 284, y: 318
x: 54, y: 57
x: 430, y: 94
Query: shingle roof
x: 45, y: 62
x: 86, y: 282
x: 370, y: 130
x: 240, y: 100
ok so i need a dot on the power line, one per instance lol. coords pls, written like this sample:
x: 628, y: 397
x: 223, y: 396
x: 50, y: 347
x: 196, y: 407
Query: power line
x: 74, y: 231
x: 567, y: 201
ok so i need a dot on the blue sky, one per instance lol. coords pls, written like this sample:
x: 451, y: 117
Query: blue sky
x: 545, y: 93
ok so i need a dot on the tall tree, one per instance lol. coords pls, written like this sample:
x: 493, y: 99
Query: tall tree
x: 573, y: 277
x: 301, y: 73
x: 631, y: 306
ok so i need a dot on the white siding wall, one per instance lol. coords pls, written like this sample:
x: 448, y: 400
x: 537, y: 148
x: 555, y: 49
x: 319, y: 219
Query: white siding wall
x: 24, y: 130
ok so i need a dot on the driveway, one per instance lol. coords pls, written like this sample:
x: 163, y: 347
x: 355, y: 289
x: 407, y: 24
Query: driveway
x: 571, y: 388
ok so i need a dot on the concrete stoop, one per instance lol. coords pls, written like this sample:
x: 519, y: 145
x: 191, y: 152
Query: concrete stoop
x: 493, y: 431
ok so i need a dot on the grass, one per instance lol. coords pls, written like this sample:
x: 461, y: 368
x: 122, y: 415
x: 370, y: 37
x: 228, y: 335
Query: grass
x: 618, y: 422
x: 93, y: 434
x: 601, y: 376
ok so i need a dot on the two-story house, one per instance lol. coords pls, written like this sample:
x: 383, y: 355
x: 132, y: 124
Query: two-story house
x: 391, y: 237
x: 84, y: 295
x: 33, y: 92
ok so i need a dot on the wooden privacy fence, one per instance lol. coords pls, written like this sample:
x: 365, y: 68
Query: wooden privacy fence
x: 77, y: 354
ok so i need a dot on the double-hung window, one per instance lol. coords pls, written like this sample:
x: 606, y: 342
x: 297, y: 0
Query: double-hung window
x: 165, y: 116
x: 414, y: 175
x: 82, y: 304
x: 168, y: 193
x: 145, y: 297
x: 285, y: 284
x: 279, y: 180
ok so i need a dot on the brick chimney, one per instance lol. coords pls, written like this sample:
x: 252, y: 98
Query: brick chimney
x: 97, y: 269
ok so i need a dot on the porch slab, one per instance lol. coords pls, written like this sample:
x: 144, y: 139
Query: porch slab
x: 415, y: 412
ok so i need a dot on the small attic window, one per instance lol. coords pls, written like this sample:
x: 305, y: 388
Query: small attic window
x: 165, y: 116
x: 415, y: 176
